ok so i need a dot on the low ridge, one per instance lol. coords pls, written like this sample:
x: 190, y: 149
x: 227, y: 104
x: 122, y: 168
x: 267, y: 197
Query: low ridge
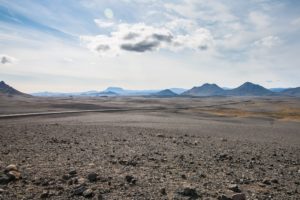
x: 291, y: 92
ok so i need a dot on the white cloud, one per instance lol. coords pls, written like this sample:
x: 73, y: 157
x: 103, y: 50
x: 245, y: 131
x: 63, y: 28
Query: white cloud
x: 269, y: 41
x: 103, y: 23
x: 5, y: 59
x: 68, y: 60
x: 140, y: 37
x: 259, y: 19
x: 213, y: 10
x: 296, y: 22
x: 182, y: 25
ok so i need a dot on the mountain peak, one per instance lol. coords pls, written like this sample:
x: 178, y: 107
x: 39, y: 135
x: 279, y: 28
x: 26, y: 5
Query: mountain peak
x: 250, y: 89
x: 8, y: 90
x: 165, y: 93
x: 211, y: 85
x: 114, y: 89
x: 206, y: 89
x: 207, y: 84
x: 249, y: 84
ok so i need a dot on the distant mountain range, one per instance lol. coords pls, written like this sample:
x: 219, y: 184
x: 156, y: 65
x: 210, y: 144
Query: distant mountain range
x: 125, y: 92
x: 246, y: 89
x: 110, y: 91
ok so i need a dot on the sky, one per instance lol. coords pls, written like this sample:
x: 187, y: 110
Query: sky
x: 82, y: 45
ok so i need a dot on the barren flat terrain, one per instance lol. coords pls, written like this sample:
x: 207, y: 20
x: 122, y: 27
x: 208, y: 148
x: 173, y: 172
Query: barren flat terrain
x: 150, y: 148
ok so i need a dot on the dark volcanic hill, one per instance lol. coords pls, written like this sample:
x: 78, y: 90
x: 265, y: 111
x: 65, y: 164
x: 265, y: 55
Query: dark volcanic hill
x: 291, y: 92
x: 165, y: 93
x: 249, y: 89
x: 205, y: 90
x: 8, y: 90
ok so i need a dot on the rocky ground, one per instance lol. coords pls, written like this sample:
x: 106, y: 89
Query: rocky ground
x: 149, y: 155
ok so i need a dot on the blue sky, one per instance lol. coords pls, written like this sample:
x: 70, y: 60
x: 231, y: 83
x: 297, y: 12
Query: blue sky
x: 78, y: 45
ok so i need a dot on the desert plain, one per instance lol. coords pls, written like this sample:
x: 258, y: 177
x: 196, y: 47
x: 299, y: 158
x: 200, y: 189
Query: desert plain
x: 150, y: 148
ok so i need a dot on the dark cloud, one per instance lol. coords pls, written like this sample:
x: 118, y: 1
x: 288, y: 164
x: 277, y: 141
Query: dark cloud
x: 102, y: 47
x: 141, y: 46
x: 131, y: 36
x: 5, y: 60
x: 163, y: 38
x: 203, y: 47
x: 148, y: 44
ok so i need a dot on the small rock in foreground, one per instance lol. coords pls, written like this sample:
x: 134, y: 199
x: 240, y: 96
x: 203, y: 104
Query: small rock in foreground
x: 130, y: 179
x: 189, y: 192
x: 79, y: 190
x: 240, y: 196
x: 224, y: 197
x: 234, y: 188
x: 88, y: 193
x: 92, y: 177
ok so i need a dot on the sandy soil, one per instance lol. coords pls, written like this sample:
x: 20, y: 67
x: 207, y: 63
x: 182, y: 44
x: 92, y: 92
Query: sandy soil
x: 180, y: 148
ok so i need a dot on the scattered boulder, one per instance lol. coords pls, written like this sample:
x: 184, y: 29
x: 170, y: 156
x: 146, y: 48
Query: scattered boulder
x: 130, y: 179
x: 132, y: 162
x: 78, y: 190
x: 160, y: 135
x: 81, y: 181
x: 45, y: 194
x: 11, y: 173
x: 104, y: 179
x: 223, y: 197
x: 104, y: 191
x: 88, y: 193
x: 100, y: 197
x: 11, y: 167
x: 72, y: 172
x: 163, y: 191
x: 4, y: 179
x: 73, y: 181
x: 66, y: 177
x: 92, y: 177
x: 223, y: 157
x: 275, y: 181
x: 188, y: 192
x: 234, y: 188
x: 239, y: 196
x: 15, y: 175
x: 266, y: 182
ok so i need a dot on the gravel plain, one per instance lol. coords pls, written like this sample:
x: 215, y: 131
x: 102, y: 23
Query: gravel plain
x: 179, y: 148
